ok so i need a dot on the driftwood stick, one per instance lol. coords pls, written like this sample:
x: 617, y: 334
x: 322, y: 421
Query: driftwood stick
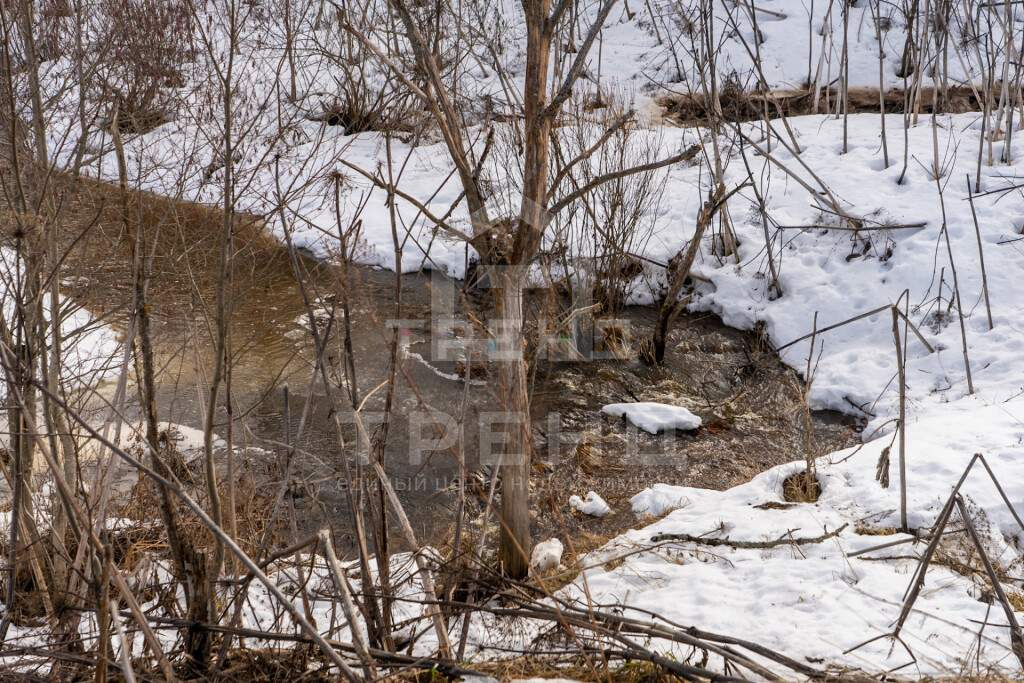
x: 594, y: 617
x: 859, y: 316
x: 347, y: 605
x: 902, y: 541
x: 956, y: 288
x: 135, y: 610
x: 126, y: 650
x: 902, y: 443
x: 863, y: 228
x: 426, y: 575
x: 749, y: 545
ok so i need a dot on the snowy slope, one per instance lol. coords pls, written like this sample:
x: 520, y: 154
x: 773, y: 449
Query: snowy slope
x: 646, y: 51
x: 815, y: 601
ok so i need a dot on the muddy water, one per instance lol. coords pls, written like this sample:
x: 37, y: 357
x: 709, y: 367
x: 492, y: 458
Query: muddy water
x: 749, y: 402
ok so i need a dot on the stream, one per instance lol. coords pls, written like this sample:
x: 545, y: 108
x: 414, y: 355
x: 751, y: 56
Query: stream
x: 749, y: 401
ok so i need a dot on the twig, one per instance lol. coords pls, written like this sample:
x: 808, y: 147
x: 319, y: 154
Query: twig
x: 981, y: 255
x: 786, y: 539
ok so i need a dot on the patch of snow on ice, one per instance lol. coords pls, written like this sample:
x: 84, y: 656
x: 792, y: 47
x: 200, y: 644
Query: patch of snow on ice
x: 593, y: 505
x: 546, y: 555
x: 654, y: 418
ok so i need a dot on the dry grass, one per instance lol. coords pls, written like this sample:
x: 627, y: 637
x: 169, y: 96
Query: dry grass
x: 865, y: 530
x: 577, y: 669
x: 146, y: 536
x: 799, y: 487
x: 1016, y: 599
x: 743, y: 105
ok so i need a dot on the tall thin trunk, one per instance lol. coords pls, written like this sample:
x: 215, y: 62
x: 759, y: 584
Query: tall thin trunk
x: 515, y: 545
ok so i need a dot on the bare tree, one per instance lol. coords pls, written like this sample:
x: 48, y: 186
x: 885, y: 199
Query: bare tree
x: 509, y: 245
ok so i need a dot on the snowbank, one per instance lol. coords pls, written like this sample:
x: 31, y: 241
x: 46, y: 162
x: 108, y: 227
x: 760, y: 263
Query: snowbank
x: 814, y: 601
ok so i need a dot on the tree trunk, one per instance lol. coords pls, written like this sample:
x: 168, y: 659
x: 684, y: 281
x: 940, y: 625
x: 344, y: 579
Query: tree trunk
x: 514, y: 550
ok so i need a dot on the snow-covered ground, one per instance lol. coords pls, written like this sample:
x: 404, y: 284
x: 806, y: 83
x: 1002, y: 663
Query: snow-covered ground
x: 814, y: 601
x: 283, y: 156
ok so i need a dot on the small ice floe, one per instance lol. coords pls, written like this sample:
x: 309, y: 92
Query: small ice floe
x: 592, y: 505
x: 654, y: 417
x: 403, y: 636
x: 546, y: 555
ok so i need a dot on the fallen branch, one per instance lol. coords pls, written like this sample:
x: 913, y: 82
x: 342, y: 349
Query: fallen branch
x: 749, y: 545
x: 861, y: 316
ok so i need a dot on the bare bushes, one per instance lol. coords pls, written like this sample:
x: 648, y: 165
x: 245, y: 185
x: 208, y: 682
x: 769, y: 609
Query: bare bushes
x: 361, y: 96
x: 606, y: 212
x: 376, y: 81
x: 603, y: 232
x: 145, y: 44
x: 356, y: 92
x: 607, y: 182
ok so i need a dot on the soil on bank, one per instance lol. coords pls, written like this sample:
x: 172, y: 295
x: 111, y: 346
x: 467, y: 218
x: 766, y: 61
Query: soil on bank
x: 750, y: 402
x: 739, y: 105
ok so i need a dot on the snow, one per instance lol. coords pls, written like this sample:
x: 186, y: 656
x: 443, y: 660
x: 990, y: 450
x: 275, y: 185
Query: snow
x: 659, y: 499
x: 593, y: 505
x: 815, y: 601
x: 187, y: 440
x: 285, y: 158
x: 91, y: 350
x: 654, y: 418
x: 89, y: 345
x: 546, y: 555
